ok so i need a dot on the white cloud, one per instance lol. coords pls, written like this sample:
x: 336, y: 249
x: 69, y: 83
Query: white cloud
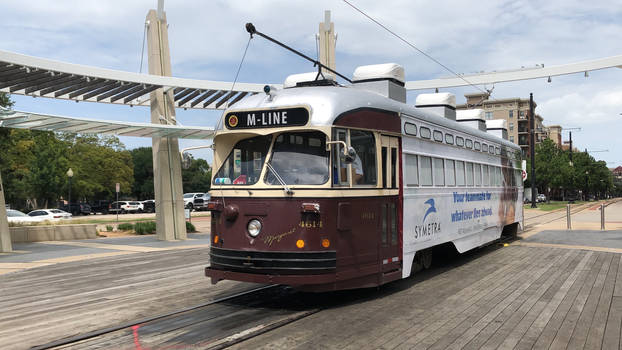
x: 208, y: 38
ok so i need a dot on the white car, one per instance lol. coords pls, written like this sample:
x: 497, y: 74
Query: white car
x: 16, y: 216
x: 50, y: 214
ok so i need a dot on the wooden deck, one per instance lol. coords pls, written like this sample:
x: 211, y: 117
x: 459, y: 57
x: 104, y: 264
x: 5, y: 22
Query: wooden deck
x: 515, y: 297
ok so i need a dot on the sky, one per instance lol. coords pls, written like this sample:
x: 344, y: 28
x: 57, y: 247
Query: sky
x: 207, y: 40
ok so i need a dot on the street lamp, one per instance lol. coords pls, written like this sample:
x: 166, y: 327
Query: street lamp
x: 69, y: 175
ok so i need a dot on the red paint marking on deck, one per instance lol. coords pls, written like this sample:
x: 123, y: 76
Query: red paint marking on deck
x: 136, y: 340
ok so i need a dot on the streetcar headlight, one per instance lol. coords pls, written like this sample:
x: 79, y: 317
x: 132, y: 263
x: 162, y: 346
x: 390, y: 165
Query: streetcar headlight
x: 254, y: 227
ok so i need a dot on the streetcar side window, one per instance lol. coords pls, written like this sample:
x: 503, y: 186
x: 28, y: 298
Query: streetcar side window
x: 425, y: 164
x: 485, y: 175
x: 469, y: 174
x: 449, y: 139
x: 484, y: 147
x: 477, y: 173
x: 410, y: 129
x: 438, y: 136
x: 519, y: 177
x: 469, y: 144
x: 459, y: 141
x: 450, y: 172
x: 340, y: 169
x: 439, y: 172
x: 477, y: 146
x: 459, y: 173
x: 364, y: 165
x: 425, y: 132
x: 410, y: 170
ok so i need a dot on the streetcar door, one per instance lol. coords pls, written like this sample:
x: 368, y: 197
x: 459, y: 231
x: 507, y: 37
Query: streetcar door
x: 389, y: 216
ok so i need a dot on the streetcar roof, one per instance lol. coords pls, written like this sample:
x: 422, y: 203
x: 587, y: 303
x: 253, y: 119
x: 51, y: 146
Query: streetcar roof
x: 327, y: 103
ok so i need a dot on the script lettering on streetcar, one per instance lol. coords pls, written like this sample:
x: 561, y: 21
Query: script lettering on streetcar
x: 268, y: 240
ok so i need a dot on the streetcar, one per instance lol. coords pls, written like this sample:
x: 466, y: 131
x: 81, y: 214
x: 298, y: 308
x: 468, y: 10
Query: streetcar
x: 323, y: 186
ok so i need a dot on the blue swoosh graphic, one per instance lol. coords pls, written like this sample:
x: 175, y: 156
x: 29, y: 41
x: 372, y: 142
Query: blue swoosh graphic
x: 431, y: 209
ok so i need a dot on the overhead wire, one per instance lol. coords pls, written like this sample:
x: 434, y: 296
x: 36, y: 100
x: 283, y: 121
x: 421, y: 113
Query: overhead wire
x: 413, y: 46
x: 142, y: 52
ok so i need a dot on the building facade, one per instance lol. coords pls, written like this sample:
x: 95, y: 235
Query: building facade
x: 515, y: 111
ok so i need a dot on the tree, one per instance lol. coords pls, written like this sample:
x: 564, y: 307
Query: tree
x: 197, y: 176
x: 143, y: 173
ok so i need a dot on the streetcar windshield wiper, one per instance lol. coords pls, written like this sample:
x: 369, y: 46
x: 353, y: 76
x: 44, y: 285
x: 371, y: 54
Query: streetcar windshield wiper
x: 279, y: 179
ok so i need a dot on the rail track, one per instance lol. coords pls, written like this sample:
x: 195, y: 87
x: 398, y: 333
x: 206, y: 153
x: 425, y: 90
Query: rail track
x: 241, y: 316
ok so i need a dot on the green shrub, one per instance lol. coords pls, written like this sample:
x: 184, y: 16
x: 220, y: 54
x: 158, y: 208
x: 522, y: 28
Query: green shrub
x: 190, y: 227
x: 109, y: 228
x: 125, y: 227
x: 143, y: 228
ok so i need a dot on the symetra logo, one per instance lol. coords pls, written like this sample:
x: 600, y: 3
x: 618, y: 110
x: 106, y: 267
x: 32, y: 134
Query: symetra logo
x: 431, y: 209
x: 430, y: 228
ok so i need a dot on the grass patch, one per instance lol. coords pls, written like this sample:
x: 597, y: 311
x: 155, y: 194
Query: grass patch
x: 125, y: 227
x: 145, y: 228
x: 553, y: 205
x: 190, y: 227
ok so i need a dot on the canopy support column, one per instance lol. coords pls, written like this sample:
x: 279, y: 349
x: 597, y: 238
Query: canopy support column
x: 169, y: 203
x: 5, y: 234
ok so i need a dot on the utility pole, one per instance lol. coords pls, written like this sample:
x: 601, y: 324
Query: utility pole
x: 170, y: 220
x: 532, y: 150
x: 570, y: 163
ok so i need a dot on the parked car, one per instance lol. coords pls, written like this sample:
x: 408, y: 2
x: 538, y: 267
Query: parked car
x: 541, y: 198
x: 16, y: 216
x: 148, y: 206
x: 100, y: 206
x: 123, y: 207
x: 50, y: 214
x: 76, y: 208
x: 194, y: 201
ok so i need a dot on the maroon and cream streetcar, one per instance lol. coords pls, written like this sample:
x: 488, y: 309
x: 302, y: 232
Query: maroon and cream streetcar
x: 324, y: 187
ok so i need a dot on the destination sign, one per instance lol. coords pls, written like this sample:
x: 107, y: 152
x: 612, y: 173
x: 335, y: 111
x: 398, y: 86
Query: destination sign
x: 272, y: 118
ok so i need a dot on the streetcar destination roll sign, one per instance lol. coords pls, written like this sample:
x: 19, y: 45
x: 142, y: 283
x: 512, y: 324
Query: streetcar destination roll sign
x: 272, y: 118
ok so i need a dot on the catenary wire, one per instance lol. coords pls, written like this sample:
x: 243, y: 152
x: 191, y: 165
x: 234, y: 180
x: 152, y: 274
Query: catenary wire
x: 412, y: 46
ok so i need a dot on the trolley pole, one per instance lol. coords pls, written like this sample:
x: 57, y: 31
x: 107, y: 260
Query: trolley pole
x: 532, y: 150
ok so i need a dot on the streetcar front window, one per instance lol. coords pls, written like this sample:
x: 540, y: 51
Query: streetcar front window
x: 299, y: 158
x: 244, y: 163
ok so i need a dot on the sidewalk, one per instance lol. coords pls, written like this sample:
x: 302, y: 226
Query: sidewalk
x: 29, y: 255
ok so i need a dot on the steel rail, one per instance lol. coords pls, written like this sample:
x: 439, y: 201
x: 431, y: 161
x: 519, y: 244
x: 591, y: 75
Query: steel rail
x: 99, y: 332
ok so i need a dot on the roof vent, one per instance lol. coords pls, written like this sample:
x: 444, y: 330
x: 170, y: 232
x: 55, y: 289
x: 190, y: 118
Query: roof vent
x: 443, y: 104
x: 308, y: 79
x: 472, y: 117
x: 497, y: 127
x: 386, y: 79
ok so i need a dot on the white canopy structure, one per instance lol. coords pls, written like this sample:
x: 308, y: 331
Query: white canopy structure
x: 32, y: 76
x: 46, y: 122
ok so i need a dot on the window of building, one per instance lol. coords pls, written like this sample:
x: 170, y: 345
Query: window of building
x: 511, y: 126
x: 459, y: 141
x: 477, y: 146
x: 425, y: 163
x: 410, y: 170
x: 449, y: 139
x: 511, y: 138
x: 511, y: 113
x: 484, y: 147
x: 438, y: 136
x: 469, y: 174
x: 521, y: 113
x: 410, y: 129
x: 439, y: 172
x: 488, y: 115
x: 477, y: 174
x: 459, y: 173
x: 425, y: 132
x: 469, y: 144
x: 450, y: 172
